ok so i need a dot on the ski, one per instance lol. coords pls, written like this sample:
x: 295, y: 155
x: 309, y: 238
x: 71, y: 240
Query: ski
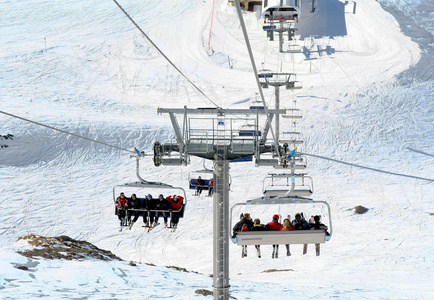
x: 131, y: 225
x: 304, y: 249
x: 151, y: 228
x: 288, y: 253
x: 244, y: 251
x: 317, y: 249
x: 258, y: 251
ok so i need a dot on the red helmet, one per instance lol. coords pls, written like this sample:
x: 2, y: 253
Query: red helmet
x: 276, y: 217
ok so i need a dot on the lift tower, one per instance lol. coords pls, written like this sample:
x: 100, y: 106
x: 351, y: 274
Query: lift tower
x: 218, y: 134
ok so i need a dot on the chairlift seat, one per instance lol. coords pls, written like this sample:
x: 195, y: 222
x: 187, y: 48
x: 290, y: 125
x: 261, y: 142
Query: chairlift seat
x: 268, y: 27
x: 280, y: 237
x: 249, y: 133
x: 193, y: 184
x: 277, y: 193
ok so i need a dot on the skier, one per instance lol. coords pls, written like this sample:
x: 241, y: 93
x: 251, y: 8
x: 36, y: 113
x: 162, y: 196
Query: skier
x: 301, y: 224
x: 245, y: 224
x: 149, y: 204
x: 257, y: 226
x: 135, y: 203
x: 274, y: 225
x: 317, y: 225
x: 176, y: 202
x: 211, y: 187
x: 286, y: 227
x: 199, y: 185
x: 162, y: 205
x: 121, y: 207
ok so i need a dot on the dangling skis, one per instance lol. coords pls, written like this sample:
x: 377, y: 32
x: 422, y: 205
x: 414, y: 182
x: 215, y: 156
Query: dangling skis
x: 152, y: 227
x: 244, y: 251
x: 258, y: 250
x: 317, y: 249
x: 275, y: 253
x: 304, y: 249
x: 288, y: 253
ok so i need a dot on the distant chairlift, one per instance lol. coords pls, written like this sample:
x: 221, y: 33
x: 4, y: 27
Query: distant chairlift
x: 145, y: 188
x: 205, y: 174
x: 283, y: 237
x: 287, y: 185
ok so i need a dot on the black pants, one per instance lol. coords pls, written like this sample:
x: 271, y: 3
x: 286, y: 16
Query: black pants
x: 122, y: 213
x: 175, y: 218
x: 136, y: 215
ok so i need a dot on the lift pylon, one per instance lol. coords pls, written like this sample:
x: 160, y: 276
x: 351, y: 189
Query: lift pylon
x: 215, y: 134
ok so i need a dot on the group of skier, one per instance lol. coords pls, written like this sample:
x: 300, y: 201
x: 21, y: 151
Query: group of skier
x: 299, y: 223
x: 130, y: 209
x: 201, y: 185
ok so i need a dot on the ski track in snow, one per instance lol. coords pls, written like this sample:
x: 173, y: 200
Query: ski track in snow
x: 82, y: 67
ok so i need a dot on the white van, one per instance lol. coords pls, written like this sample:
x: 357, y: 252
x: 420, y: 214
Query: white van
x: 272, y: 10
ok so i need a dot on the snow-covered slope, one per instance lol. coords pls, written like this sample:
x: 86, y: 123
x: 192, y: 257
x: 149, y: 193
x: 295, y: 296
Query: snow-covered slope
x: 83, y: 67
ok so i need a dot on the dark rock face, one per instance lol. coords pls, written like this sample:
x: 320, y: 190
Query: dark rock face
x: 63, y: 247
x: 360, y: 209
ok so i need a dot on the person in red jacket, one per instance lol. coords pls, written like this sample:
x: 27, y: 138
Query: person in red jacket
x: 121, y: 207
x: 176, y: 208
x: 211, y: 187
x: 274, y: 225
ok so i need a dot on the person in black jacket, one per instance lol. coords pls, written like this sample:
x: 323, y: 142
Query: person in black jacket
x: 318, y: 225
x: 200, y: 184
x: 245, y: 224
x: 135, y: 203
x: 149, y: 204
x: 162, y: 204
x: 257, y: 226
x: 300, y: 223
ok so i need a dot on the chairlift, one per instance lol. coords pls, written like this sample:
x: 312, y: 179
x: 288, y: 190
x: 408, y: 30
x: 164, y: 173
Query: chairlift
x: 142, y: 188
x: 292, y: 138
x: 283, y: 237
x: 205, y: 174
x: 287, y: 184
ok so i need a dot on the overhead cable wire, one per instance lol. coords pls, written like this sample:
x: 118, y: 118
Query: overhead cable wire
x: 66, y: 132
x: 252, y: 60
x: 364, y: 167
x: 418, y: 151
x: 162, y: 53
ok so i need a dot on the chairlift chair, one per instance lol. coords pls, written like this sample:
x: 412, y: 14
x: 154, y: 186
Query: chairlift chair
x: 282, y: 237
x: 287, y: 184
x: 148, y: 187
x: 153, y: 188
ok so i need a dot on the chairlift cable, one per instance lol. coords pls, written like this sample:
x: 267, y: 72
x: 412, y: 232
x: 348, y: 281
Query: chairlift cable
x: 418, y: 151
x: 63, y: 131
x: 162, y: 53
x: 255, y: 71
x: 364, y: 167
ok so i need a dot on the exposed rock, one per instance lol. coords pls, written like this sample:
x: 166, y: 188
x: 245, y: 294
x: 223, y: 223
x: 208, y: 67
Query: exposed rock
x: 208, y: 293
x: 23, y: 268
x: 63, y: 247
x: 178, y: 268
x: 360, y: 209
x: 275, y: 270
x: 204, y: 292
